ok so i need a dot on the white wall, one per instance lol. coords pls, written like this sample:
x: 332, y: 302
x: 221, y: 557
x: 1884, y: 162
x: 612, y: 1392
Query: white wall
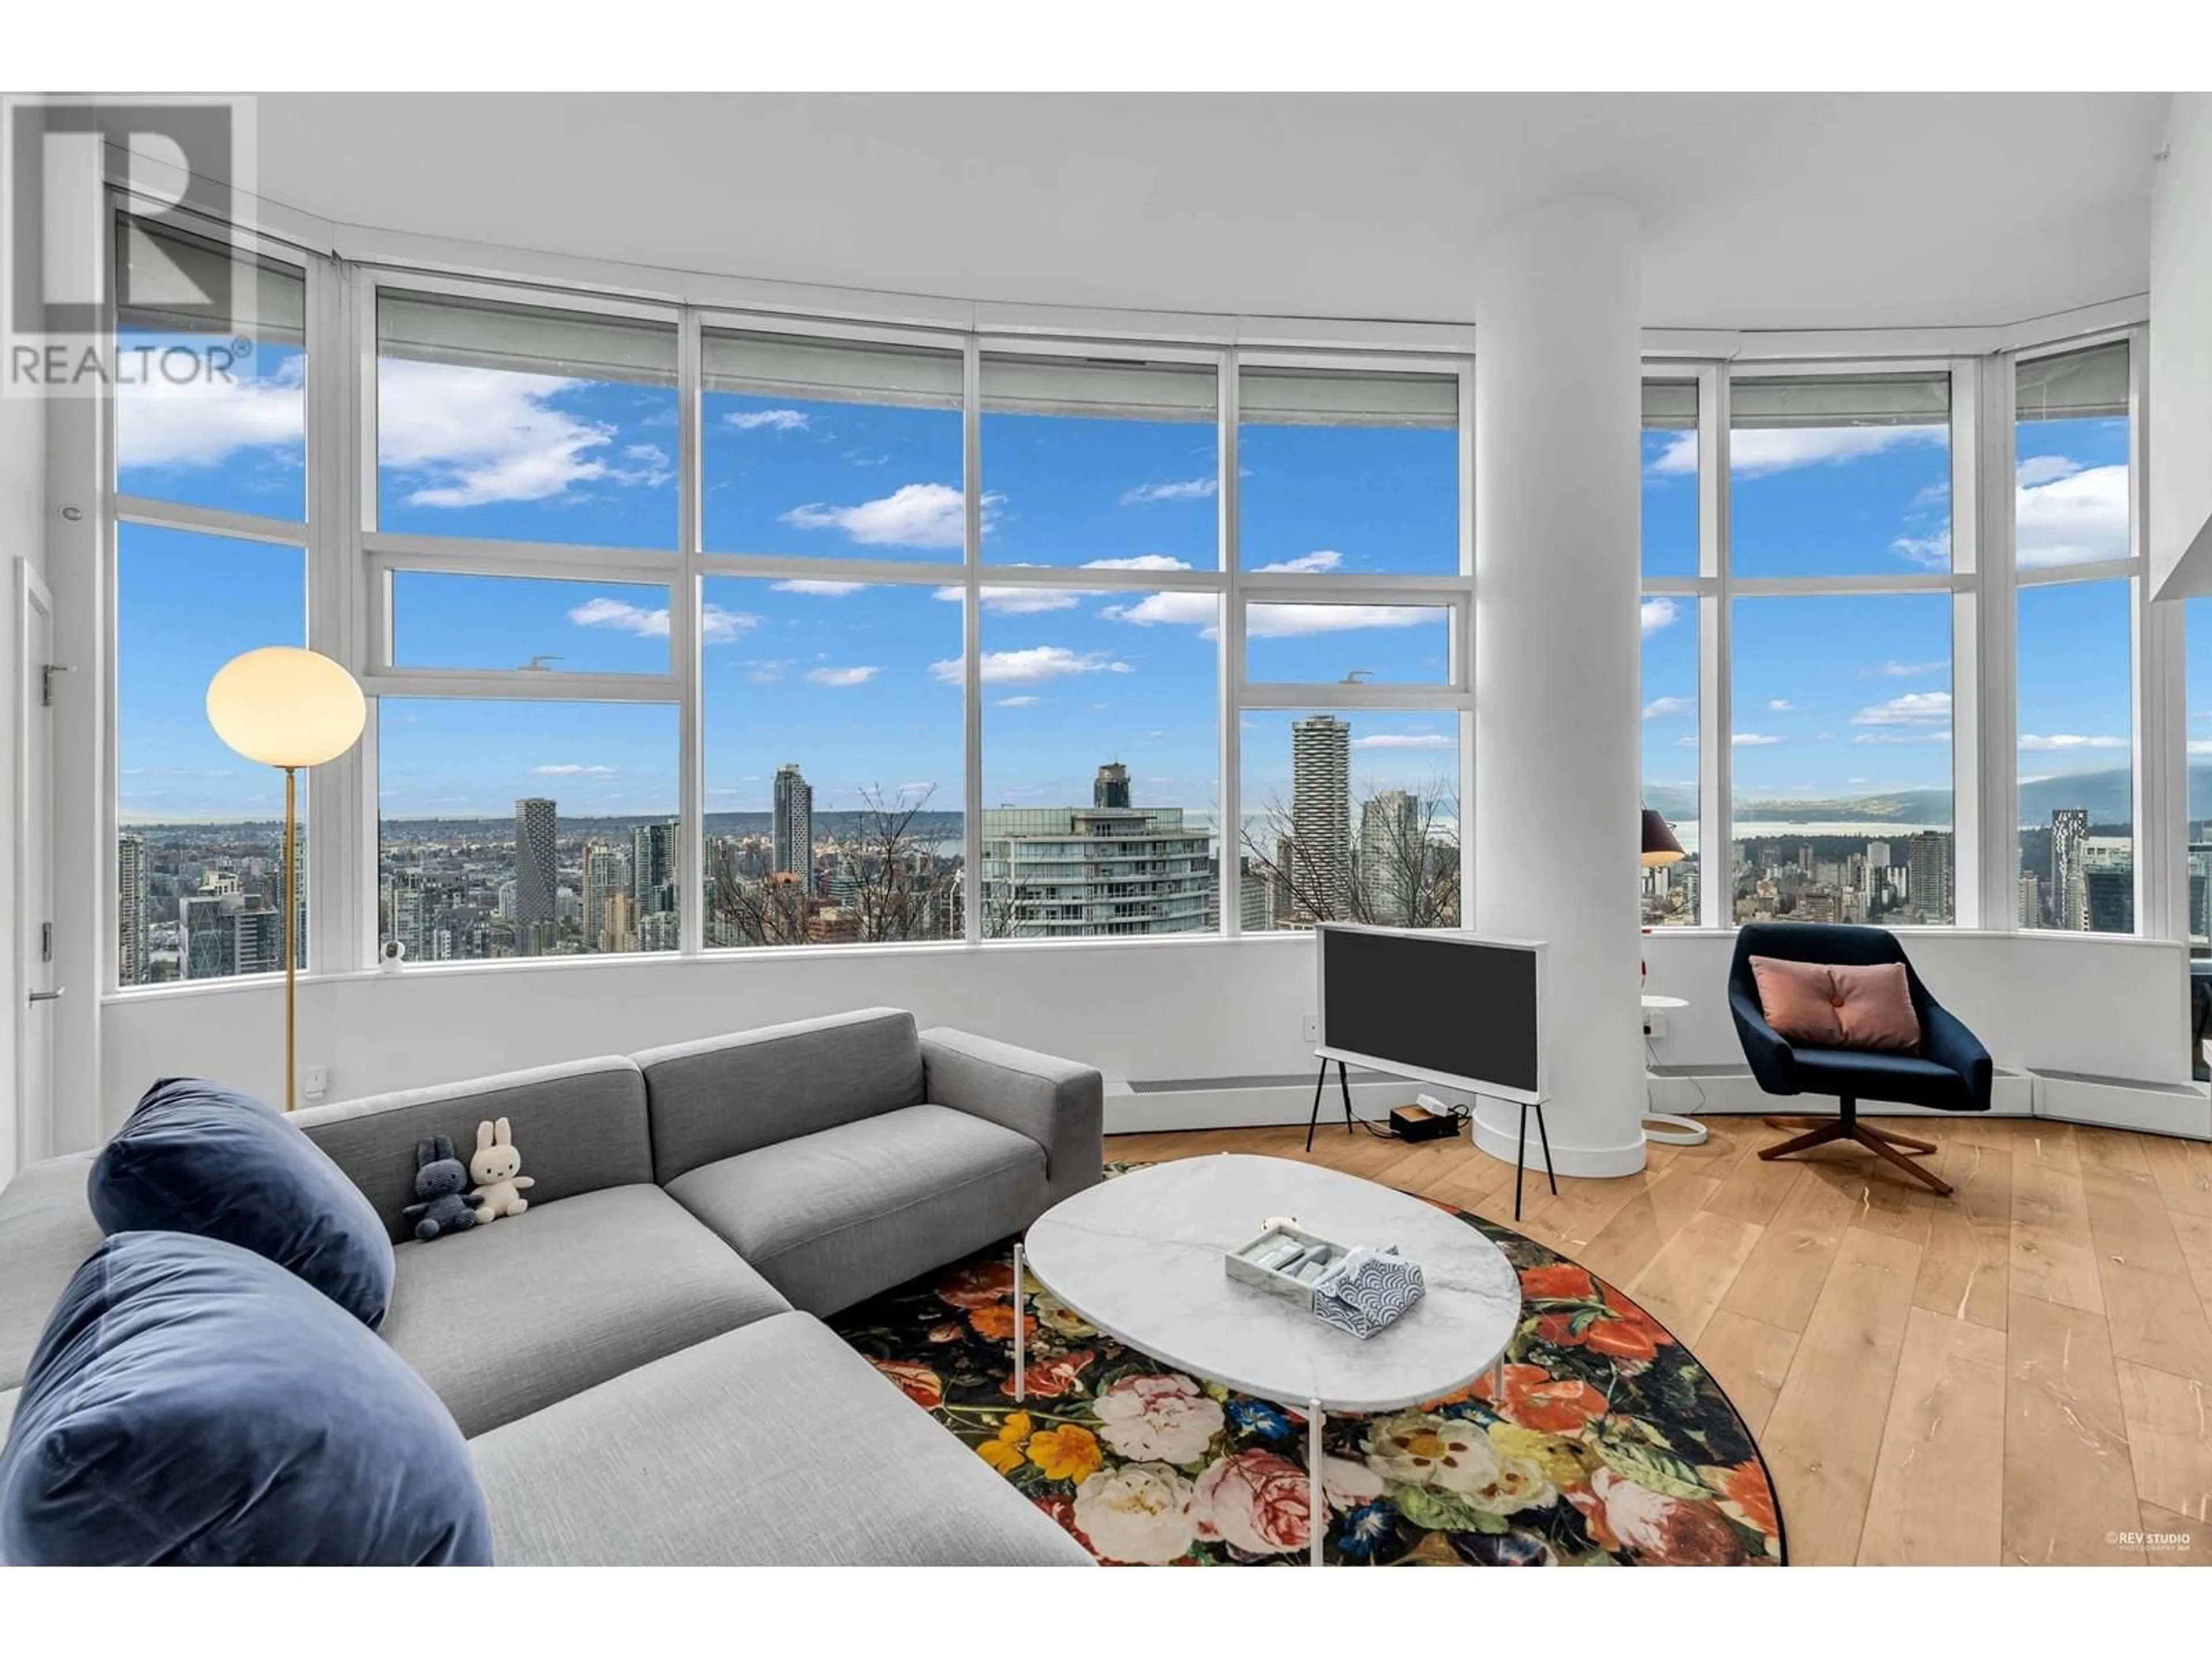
x: 1186, y: 1010
x: 2181, y: 354
x: 2111, y: 1007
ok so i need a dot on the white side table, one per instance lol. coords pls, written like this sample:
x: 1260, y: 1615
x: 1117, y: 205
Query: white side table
x: 1671, y: 1130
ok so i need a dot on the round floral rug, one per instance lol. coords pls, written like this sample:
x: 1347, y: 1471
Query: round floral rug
x: 1608, y: 1444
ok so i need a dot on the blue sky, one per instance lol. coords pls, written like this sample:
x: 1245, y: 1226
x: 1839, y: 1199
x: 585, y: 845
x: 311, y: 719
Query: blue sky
x: 859, y: 683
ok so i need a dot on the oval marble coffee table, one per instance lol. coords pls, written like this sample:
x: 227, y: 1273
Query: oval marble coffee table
x: 1140, y: 1257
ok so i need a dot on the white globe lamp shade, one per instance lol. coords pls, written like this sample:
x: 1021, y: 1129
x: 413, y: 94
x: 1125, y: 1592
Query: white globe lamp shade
x: 283, y: 706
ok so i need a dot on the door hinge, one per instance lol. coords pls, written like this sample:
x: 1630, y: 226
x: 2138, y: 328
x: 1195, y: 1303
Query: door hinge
x: 46, y: 673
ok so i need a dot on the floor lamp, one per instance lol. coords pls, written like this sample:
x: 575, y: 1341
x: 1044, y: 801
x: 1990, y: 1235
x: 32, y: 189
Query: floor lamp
x: 287, y: 707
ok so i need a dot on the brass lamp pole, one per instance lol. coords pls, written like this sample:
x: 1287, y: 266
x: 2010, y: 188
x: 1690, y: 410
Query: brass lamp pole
x: 287, y: 707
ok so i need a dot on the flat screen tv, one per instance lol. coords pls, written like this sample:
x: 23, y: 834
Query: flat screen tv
x: 1452, y: 1008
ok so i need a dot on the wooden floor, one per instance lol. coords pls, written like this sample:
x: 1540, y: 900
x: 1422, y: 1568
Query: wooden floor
x: 2022, y: 1372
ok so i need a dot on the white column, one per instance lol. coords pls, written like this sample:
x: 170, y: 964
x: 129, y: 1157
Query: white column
x: 1557, y: 645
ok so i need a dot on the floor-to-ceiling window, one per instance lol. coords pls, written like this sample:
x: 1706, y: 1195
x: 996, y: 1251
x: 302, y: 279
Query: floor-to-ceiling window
x: 210, y: 560
x: 1352, y: 616
x: 2075, y: 625
x: 696, y: 630
x: 1840, y: 635
x: 524, y: 588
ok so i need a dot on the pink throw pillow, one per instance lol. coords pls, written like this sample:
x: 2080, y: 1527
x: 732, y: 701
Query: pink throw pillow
x: 1875, y: 1005
x: 1816, y: 1006
x: 1799, y: 1000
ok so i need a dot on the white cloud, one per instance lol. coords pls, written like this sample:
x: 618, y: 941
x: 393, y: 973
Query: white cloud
x: 2200, y: 745
x: 1010, y: 601
x: 718, y: 627
x: 1037, y: 662
x: 1203, y: 610
x: 2043, y: 469
x: 820, y: 590
x: 1200, y: 610
x: 2071, y: 517
x: 485, y: 436
x: 1017, y: 702
x: 160, y: 423
x: 1754, y: 740
x: 1887, y: 736
x: 842, y: 676
x: 1930, y: 552
x: 1406, y: 740
x: 572, y: 770
x: 1659, y: 613
x: 1780, y: 705
x: 1278, y: 622
x: 2066, y: 741
x: 1912, y: 671
x: 1016, y: 601
x: 776, y: 420
x: 1663, y: 708
x: 1755, y: 451
x: 1189, y: 490
x: 919, y: 515
x: 1913, y: 708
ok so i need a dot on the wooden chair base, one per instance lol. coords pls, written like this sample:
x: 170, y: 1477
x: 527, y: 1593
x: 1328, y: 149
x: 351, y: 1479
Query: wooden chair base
x: 1883, y: 1143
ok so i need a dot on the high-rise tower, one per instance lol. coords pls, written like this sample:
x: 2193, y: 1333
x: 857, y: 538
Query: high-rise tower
x: 2070, y: 883
x: 130, y: 915
x: 794, y: 823
x: 1392, y: 856
x: 535, y: 873
x: 1321, y: 816
x: 653, y: 868
x: 1929, y: 875
x: 1110, y: 791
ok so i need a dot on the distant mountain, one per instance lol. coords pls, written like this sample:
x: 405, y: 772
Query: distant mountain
x: 2104, y: 795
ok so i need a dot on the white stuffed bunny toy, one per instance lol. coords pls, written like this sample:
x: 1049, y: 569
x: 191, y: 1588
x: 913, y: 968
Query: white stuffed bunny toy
x: 497, y: 1170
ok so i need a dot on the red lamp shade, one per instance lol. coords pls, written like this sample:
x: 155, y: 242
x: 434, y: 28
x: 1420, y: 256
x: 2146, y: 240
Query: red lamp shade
x: 1660, y: 845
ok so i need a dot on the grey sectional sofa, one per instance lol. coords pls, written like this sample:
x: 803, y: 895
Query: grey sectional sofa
x: 627, y: 1356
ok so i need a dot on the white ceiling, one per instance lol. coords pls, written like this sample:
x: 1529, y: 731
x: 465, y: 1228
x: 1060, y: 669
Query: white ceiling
x: 1759, y: 211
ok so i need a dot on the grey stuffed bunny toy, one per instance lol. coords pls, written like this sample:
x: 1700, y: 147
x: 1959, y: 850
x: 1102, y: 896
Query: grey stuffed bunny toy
x: 439, y: 1178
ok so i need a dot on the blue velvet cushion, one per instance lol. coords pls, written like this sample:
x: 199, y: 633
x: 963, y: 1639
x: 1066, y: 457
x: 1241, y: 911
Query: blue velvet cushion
x: 192, y: 1404
x: 197, y: 1158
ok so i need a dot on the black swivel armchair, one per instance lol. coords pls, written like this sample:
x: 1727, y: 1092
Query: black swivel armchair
x: 1950, y: 1072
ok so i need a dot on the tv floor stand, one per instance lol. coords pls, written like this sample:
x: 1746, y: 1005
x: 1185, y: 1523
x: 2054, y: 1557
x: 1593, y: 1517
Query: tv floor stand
x: 1520, y: 1154
x: 1344, y: 1083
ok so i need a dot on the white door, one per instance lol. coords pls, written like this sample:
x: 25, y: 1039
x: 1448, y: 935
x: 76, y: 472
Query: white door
x: 25, y: 1141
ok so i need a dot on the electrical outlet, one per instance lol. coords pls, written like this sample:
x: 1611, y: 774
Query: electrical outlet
x: 1655, y: 1026
x: 315, y: 1082
x: 1310, y: 1028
